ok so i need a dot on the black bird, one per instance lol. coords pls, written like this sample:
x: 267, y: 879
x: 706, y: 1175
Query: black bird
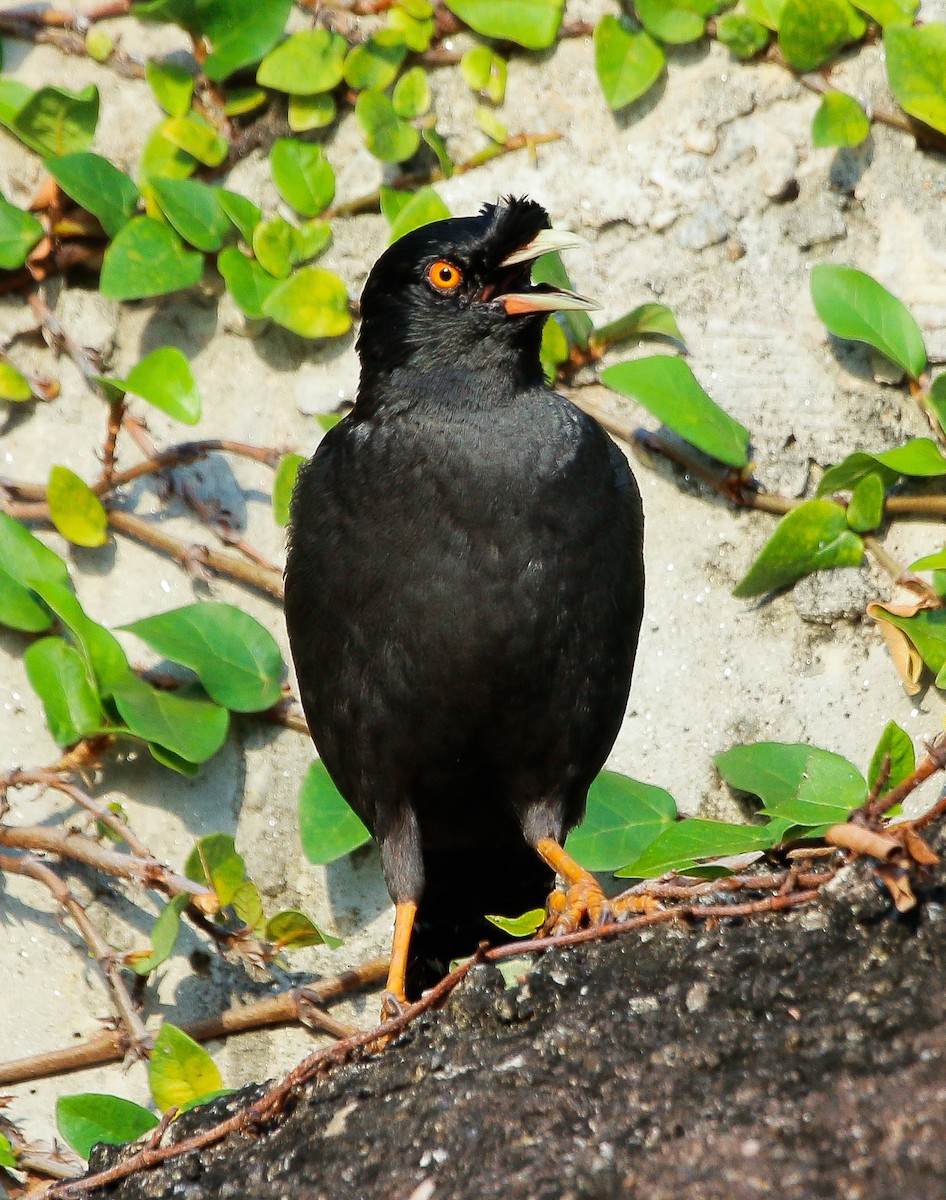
x: 464, y: 590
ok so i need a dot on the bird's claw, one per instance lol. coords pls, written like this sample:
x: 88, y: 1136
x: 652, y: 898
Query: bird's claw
x: 392, y: 1005
x: 584, y: 903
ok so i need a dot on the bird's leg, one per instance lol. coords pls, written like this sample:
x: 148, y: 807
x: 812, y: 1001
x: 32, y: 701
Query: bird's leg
x: 394, y: 997
x: 583, y: 901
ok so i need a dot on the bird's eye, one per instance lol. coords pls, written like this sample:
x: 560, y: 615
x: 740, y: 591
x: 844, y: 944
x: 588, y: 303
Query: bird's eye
x: 444, y: 276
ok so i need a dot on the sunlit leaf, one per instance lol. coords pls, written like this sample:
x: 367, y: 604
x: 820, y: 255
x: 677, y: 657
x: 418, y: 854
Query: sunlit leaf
x: 312, y: 303
x: 242, y: 212
x: 866, y: 508
x: 486, y: 72
x: 180, y: 1070
x: 241, y: 32
x: 75, y: 509
x: 628, y: 61
x: 196, y: 137
x: 242, y: 100
x: 839, y: 121
x: 56, y: 121
x: 173, y: 86
x: 812, y: 537
x: 406, y: 211
x: 919, y: 458
x: 311, y: 112
x: 100, y: 648
x: 85, y: 1119
x: 246, y: 281
x: 184, y: 722
x: 163, y: 936
x: 889, y: 12
x: 19, y: 233
x: 215, y: 863
x: 14, y: 386
x: 327, y: 826
x: 283, y: 483
x: 195, y: 211
x: 525, y: 925
x: 549, y: 269
x: 311, y: 238
x: 647, y: 320
x: 58, y: 674
x: 386, y: 135
x: 147, y: 258
x: 683, y: 845
x: 274, y: 244
x: 530, y: 23
x: 622, y: 818
x: 896, y: 746
x: 98, y: 186
x: 742, y: 35
x: 164, y: 379
x: 310, y: 61
x: 376, y: 62
x: 411, y: 96
x: 291, y: 930
x: 670, y: 22
x: 553, y: 350
x: 801, y: 784
x: 916, y: 69
x: 303, y: 175
x: 416, y: 32
x: 812, y: 31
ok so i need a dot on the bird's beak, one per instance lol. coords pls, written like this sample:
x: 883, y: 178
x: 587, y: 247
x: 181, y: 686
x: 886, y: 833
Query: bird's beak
x: 545, y: 297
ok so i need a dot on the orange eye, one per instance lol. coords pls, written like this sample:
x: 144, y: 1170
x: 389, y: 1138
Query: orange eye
x: 444, y: 276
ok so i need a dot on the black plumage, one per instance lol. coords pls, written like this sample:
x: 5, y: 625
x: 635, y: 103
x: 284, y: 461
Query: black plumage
x: 464, y: 584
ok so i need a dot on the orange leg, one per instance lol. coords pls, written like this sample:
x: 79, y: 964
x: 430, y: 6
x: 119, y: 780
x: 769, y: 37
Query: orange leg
x: 394, y: 997
x: 583, y: 901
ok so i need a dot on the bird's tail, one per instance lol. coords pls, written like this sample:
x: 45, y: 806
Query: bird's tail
x: 460, y: 889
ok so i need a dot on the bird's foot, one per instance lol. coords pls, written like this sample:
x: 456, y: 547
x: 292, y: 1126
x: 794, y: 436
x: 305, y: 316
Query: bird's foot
x: 624, y: 906
x: 392, y: 1005
x: 583, y: 903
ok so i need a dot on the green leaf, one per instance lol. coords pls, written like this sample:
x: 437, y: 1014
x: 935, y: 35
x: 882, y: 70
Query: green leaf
x: 14, y: 386
x: 88, y: 1118
x: 291, y: 930
x: 247, y: 903
x: 670, y: 22
x: 854, y: 306
x: 163, y: 936
x: 161, y: 159
x: 98, y: 45
x: 164, y: 379
x: 196, y: 137
x: 839, y: 121
x: 919, y: 458
x: 386, y: 135
x: 303, y: 175
x: 242, y: 100
x: 628, y: 61
x: 195, y: 211
x: 242, y: 212
x: 530, y: 23
x: 742, y: 35
x: 930, y: 562
x: 235, y: 658
x: 491, y: 125
x: 549, y: 269
x: 19, y: 233
x: 485, y: 72
x: 889, y: 12
x: 215, y: 863
x: 184, y: 722
x: 773, y: 771
x: 311, y: 112
x: 647, y: 320
x: 936, y: 398
x: 436, y: 142
x: 376, y: 62
x: 305, y: 63
x: 7, y: 1153
x: 173, y: 86
x: 812, y: 31
x: 668, y: 388
x: 147, y: 258
x: 916, y: 69
x: 19, y: 608
x: 98, y: 186
x: 406, y: 211
x: 246, y: 281
x: 26, y: 559
x: 180, y: 1071
x: 812, y: 537
x: 283, y: 483
x: 411, y: 96
x: 866, y: 509
x: 896, y: 743
x: 312, y: 303
x: 416, y: 33
x: 927, y: 631
x: 683, y: 845
x: 553, y: 350
x: 327, y: 826
x: 58, y: 674
x: 55, y: 121
x: 100, y: 648
x: 801, y: 784
x: 526, y: 925
x: 241, y: 32
x: 274, y: 244
x: 311, y: 238
x: 75, y: 509
x: 623, y: 817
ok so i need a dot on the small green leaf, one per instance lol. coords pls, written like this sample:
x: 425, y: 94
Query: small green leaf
x: 898, y: 745
x: 742, y: 35
x: 58, y: 674
x: 936, y: 398
x: 246, y: 281
x: 386, y: 135
x: 163, y: 936
x: 685, y: 844
x: 812, y: 537
x: 622, y: 818
x: 242, y: 100
x: 926, y: 630
x: 553, y: 350
x: 100, y: 648
x: 161, y: 159
x: 274, y: 244
x: 7, y: 1153
x: 889, y: 12
x: 180, y: 1071
x: 628, y: 61
x: 241, y: 32
x: 930, y: 562
x: 647, y: 320
x: 14, y: 386
x: 485, y: 72
x: 147, y: 258
x: 920, y: 458
x: 303, y: 175
x: 184, y: 722
x: 172, y: 85
x: 311, y: 112
x: 530, y: 23
x: 491, y: 125
x: 55, y: 121
x: 19, y: 608
x: 196, y: 137
x: 291, y: 930
x: 23, y: 560
x: 247, y: 903
x: 830, y: 789
x: 670, y: 22
x: 195, y: 211
x: 526, y: 925
x: 235, y: 658
x: 75, y: 509
x: 98, y: 45
x: 411, y: 96
x: 88, y: 1118
x: 668, y: 388
x: 305, y: 63
x: 406, y: 211
x: 839, y: 121
x: 916, y: 68
x: 327, y: 826
x: 549, y: 269
x: 781, y: 774
x: 854, y: 306
x: 283, y: 483
x: 242, y: 212
x: 436, y: 142
x: 376, y: 62
x: 164, y: 379
x: 19, y: 233
x: 866, y: 508
x: 98, y: 186
x: 812, y: 31
x: 215, y: 863
x: 312, y: 303
x: 311, y: 238
x: 416, y: 32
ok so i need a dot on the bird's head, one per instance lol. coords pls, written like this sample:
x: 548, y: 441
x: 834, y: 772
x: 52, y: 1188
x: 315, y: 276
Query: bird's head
x: 459, y: 292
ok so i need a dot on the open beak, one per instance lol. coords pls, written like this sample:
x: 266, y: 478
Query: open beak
x: 544, y: 297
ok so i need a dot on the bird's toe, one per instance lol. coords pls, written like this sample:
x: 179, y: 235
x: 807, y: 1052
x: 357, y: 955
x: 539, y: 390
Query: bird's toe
x: 582, y: 904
